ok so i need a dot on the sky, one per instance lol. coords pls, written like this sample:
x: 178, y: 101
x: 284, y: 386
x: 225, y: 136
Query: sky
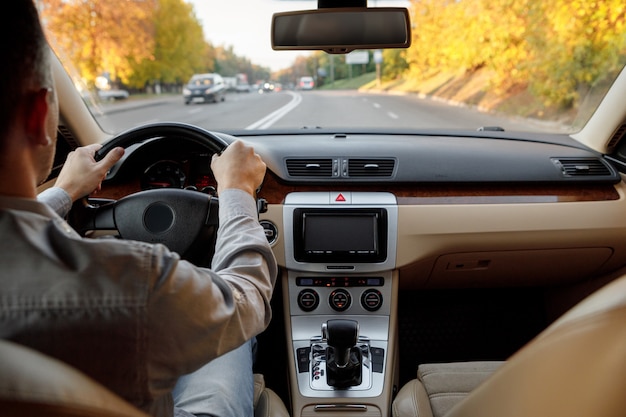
x: 226, y: 24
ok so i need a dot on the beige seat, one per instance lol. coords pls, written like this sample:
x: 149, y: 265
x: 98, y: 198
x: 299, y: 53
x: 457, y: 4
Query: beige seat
x: 440, y: 386
x: 33, y: 384
x: 266, y: 402
x: 576, y: 367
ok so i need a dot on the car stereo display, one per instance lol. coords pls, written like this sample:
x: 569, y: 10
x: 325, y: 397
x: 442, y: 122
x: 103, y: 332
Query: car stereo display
x: 345, y: 235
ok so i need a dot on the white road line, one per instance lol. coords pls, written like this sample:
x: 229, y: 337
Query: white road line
x: 392, y: 115
x: 376, y: 105
x: 273, y: 117
x: 196, y: 110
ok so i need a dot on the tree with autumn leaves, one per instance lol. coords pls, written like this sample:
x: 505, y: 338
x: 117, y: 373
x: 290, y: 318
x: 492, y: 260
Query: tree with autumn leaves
x: 135, y: 42
x: 102, y: 37
x: 178, y: 48
x: 556, y: 49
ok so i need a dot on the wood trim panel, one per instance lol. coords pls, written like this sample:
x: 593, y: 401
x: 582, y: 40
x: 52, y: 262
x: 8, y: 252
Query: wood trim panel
x: 275, y: 191
x: 421, y: 194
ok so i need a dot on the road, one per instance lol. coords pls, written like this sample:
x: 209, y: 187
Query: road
x: 308, y: 109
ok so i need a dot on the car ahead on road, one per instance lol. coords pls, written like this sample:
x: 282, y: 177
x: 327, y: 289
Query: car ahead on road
x: 306, y: 83
x: 266, y: 87
x: 112, y: 94
x: 205, y: 88
x: 243, y: 88
x: 435, y: 228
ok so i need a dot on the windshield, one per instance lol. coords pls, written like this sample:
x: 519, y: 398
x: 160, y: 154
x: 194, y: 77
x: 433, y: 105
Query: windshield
x: 197, y: 81
x: 517, y: 65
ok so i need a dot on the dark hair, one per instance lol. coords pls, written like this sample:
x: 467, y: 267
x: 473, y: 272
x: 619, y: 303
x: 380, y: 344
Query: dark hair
x: 25, y: 59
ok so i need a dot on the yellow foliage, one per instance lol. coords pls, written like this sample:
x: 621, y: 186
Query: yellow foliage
x: 132, y: 41
x: 102, y: 35
x: 557, y: 48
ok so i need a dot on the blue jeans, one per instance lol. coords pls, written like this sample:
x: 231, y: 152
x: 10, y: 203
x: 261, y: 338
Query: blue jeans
x: 223, y: 387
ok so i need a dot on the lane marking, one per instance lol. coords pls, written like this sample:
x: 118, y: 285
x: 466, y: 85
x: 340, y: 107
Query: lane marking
x: 192, y: 111
x: 376, y: 105
x: 275, y: 116
x: 392, y: 115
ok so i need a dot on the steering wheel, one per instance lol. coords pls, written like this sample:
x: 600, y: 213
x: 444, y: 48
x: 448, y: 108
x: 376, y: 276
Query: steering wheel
x: 185, y: 221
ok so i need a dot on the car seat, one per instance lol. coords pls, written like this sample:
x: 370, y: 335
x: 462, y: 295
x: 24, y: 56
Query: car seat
x: 576, y: 367
x: 33, y: 384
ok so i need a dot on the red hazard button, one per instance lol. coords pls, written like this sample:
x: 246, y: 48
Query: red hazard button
x: 341, y: 198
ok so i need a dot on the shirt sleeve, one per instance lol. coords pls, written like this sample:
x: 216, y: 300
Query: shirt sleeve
x: 57, y: 199
x: 197, y: 314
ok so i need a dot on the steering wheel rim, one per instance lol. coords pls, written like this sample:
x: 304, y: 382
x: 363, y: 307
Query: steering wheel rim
x: 163, y: 129
x: 168, y: 216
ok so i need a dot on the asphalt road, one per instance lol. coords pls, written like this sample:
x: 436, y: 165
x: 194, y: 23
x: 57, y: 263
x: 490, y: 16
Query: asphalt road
x: 307, y: 109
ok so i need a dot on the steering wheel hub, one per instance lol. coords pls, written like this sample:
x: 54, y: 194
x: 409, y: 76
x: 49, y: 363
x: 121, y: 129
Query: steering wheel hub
x: 158, y: 218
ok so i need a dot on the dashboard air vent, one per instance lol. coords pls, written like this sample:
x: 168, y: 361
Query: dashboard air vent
x: 310, y: 167
x: 617, y: 137
x: 578, y: 167
x: 371, y: 167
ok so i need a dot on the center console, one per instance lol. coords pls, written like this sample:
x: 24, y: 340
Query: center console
x: 340, y: 290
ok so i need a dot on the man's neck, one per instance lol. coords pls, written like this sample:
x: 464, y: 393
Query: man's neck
x: 17, y: 176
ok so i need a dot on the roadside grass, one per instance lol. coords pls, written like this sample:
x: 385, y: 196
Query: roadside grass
x: 143, y: 96
x: 353, y: 83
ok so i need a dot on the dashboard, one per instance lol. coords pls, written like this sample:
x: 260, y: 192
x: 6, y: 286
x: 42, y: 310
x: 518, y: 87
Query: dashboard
x: 465, y: 208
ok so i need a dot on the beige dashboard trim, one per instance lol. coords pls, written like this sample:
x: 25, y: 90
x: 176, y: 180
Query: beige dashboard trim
x: 592, y: 230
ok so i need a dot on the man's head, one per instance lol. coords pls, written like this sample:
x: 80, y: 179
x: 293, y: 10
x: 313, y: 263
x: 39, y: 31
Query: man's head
x: 28, y: 104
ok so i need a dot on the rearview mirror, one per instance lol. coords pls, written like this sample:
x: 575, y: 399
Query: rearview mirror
x: 341, y: 30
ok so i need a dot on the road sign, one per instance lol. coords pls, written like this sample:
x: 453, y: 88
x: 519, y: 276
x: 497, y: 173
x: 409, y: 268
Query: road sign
x: 358, y: 57
x: 378, y: 56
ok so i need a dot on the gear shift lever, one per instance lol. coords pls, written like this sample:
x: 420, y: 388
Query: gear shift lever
x: 342, y: 335
x: 343, y: 357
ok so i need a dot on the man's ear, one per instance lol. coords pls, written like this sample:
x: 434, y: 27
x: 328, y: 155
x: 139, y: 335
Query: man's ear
x: 36, y: 115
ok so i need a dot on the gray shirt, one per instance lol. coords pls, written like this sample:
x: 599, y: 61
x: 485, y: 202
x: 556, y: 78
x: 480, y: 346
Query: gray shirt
x: 131, y: 315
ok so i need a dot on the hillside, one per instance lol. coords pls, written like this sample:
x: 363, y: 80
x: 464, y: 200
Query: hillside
x: 469, y: 89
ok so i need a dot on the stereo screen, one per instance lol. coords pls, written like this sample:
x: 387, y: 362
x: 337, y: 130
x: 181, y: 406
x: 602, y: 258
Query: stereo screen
x: 350, y: 235
x: 335, y: 233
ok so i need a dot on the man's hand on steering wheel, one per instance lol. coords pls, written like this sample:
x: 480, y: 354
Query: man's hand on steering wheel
x: 81, y: 174
x: 238, y: 167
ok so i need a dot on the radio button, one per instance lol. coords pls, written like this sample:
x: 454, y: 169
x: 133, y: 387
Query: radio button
x: 340, y: 300
x: 371, y: 300
x: 308, y: 300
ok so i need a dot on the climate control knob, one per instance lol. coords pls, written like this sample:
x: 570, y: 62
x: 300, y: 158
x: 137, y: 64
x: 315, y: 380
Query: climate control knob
x: 340, y: 300
x: 308, y: 300
x: 371, y: 300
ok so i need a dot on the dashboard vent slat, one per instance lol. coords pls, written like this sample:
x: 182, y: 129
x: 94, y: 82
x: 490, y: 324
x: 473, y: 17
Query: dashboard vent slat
x: 310, y: 167
x: 371, y: 167
x: 579, y: 167
x: 617, y: 137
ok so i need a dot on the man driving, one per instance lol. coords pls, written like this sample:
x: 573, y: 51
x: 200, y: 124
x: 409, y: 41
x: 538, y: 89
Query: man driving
x: 134, y: 316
